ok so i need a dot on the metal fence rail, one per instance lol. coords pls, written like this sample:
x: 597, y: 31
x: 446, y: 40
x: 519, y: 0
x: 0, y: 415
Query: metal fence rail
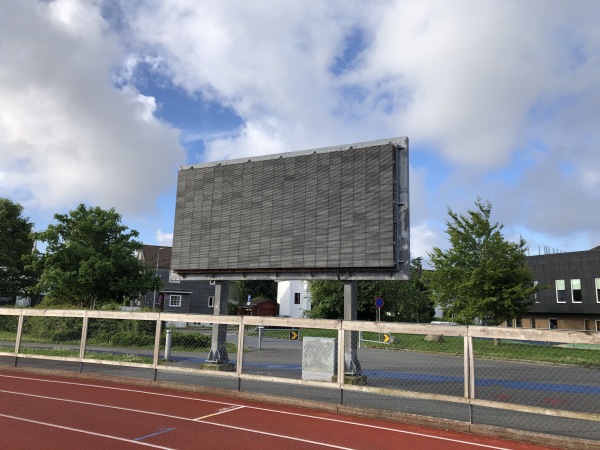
x: 537, y: 380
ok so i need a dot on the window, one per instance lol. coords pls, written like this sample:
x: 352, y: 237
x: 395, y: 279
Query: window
x: 509, y: 323
x: 597, y: 290
x: 576, y: 291
x: 532, y: 323
x: 553, y: 324
x: 297, y: 298
x: 560, y: 291
x: 211, y: 301
x: 175, y: 301
x: 535, y: 296
x: 518, y: 323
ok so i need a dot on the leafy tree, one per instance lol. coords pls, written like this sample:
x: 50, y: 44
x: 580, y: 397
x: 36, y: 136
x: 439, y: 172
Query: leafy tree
x: 404, y: 301
x: 482, y: 277
x: 408, y: 301
x: 16, y: 246
x: 257, y: 289
x: 90, y: 260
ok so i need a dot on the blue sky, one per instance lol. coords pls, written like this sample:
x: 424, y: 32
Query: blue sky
x: 102, y: 101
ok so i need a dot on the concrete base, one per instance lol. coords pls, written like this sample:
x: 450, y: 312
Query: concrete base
x: 218, y: 367
x: 356, y: 380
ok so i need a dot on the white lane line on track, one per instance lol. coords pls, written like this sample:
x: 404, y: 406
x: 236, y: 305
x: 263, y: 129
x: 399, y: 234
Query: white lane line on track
x: 187, y: 419
x: 219, y: 412
x: 77, y: 430
x: 412, y: 433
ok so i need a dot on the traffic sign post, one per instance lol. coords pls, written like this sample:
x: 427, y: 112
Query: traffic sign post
x: 379, y: 305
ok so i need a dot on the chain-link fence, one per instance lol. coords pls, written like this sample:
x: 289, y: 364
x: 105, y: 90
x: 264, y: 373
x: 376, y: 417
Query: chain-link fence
x: 545, y: 381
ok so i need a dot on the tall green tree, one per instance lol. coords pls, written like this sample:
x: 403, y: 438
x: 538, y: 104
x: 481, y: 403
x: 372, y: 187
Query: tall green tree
x: 404, y: 301
x: 482, y: 277
x: 266, y: 289
x: 90, y: 260
x: 17, y: 276
x: 408, y: 301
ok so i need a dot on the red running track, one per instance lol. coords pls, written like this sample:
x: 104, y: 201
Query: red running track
x: 50, y: 412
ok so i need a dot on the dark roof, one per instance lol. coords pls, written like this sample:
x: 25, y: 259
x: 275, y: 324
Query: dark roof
x: 256, y: 302
x: 150, y: 253
x: 595, y: 249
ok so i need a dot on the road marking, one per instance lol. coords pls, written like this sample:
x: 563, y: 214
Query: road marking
x: 77, y: 430
x: 219, y: 412
x: 159, y: 394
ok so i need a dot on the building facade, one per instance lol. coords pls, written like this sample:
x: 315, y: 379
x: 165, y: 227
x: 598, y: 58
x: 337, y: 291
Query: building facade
x: 293, y: 298
x: 571, y: 298
x: 175, y: 295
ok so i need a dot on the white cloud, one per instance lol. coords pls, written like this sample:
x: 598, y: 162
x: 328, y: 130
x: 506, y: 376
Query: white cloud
x: 503, y: 94
x: 163, y: 238
x: 67, y: 135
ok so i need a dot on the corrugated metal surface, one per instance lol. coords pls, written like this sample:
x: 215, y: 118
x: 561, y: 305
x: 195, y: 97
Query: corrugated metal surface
x: 322, y: 211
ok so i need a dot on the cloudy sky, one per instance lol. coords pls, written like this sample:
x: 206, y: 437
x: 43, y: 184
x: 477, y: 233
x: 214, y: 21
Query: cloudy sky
x: 102, y: 101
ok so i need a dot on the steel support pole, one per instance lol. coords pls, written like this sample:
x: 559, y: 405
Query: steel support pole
x: 218, y: 350
x: 351, y: 363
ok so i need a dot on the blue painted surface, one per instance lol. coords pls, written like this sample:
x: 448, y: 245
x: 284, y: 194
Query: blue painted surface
x: 161, y: 431
x: 482, y: 382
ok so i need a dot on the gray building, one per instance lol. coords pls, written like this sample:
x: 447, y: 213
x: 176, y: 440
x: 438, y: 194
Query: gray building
x: 176, y: 295
x: 571, y: 299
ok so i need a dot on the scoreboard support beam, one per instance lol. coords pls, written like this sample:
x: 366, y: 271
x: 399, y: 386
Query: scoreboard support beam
x: 351, y: 363
x: 218, y: 350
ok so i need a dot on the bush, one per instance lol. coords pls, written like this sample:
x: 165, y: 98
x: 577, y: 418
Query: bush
x: 9, y: 323
x: 123, y: 339
x: 54, y: 328
x: 189, y: 341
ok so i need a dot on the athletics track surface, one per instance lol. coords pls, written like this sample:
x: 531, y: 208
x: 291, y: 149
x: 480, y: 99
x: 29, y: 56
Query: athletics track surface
x: 51, y: 412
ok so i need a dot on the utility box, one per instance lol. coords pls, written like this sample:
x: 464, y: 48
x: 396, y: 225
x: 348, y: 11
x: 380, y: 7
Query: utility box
x: 319, y: 358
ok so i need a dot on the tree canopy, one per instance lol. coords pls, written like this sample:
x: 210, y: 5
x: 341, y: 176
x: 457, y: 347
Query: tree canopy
x: 482, y: 277
x: 16, y: 247
x: 404, y: 301
x: 266, y: 289
x: 90, y: 260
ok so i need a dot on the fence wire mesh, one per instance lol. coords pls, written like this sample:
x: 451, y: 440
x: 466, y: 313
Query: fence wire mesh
x: 8, y: 333
x: 401, y: 368
x: 541, y: 374
x: 120, y: 340
x: 188, y: 345
x: 51, y: 336
x: 413, y: 362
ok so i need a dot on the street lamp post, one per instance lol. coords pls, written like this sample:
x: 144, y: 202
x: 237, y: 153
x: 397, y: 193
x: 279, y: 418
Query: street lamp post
x: 156, y: 275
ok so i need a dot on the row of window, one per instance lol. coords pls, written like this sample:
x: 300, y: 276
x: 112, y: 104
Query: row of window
x: 175, y: 301
x: 576, y: 295
x: 575, y: 291
x: 551, y: 324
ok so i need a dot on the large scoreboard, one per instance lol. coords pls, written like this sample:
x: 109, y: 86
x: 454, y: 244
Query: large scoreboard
x: 331, y: 213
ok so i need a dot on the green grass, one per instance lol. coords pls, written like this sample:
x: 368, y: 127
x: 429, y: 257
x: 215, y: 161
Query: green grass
x: 74, y: 353
x: 7, y: 336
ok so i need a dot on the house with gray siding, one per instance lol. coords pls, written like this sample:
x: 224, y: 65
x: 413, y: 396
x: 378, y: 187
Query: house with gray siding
x: 175, y: 295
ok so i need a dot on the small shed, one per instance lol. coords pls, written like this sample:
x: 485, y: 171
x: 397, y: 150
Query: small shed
x: 259, y: 307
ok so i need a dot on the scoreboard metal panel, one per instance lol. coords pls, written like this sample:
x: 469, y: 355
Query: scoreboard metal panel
x: 332, y: 213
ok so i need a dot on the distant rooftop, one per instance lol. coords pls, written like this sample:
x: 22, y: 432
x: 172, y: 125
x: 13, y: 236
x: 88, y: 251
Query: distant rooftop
x: 152, y: 253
